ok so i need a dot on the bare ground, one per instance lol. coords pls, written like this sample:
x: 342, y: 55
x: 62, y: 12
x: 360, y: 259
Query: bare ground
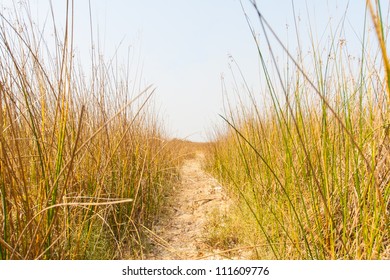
x: 180, y: 234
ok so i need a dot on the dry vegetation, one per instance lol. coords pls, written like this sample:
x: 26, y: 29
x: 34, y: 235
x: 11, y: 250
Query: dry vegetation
x: 310, y: 171
x: 83, y: 167
x: 188, y: 149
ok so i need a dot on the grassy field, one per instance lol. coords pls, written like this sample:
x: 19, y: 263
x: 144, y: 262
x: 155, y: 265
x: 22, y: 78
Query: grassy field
x: 310, y: 168
x: 83, y: 161
x: 86, y: 165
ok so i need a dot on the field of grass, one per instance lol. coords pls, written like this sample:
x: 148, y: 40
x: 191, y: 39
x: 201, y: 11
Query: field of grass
x: 309, y: 167
x: 83, y: 161
x: 85, y: 164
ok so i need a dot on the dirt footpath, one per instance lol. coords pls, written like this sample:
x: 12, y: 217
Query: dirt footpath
x: 180, y: 234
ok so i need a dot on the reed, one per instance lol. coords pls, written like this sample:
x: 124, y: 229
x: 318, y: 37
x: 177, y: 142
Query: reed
x: 309, y: 168
x: 83, y: 161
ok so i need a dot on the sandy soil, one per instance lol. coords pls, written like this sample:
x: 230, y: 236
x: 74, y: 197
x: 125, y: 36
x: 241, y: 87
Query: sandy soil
x: 180, y: 234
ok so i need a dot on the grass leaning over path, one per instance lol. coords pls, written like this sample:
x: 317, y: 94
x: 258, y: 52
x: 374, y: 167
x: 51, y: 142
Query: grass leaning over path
x: 311, y: 171
x: 83, y: 163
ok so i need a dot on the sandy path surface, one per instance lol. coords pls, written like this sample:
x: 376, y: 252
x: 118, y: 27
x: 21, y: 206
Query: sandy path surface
x: 180, y: 234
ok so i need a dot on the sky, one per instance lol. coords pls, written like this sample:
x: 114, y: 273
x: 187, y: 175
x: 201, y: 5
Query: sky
x: 184, y: 47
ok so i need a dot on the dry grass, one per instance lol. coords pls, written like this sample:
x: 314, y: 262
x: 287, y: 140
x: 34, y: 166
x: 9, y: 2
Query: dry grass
x: 310, y: 171
x: 83, y: 163
x: 188, y: 149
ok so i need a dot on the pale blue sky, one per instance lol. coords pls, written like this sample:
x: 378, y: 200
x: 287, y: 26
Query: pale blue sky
x: 184, y: 45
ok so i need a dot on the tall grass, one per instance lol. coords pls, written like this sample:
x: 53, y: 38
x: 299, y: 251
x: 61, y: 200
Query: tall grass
x: 83, y: 163
x: 310, y: 169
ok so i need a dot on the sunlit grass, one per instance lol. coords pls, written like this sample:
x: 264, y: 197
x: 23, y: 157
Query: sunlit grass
x: 83, y: 160
x: 310, y: 171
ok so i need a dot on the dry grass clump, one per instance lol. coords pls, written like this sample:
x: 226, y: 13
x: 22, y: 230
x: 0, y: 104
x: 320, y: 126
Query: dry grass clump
x: 221, y: 231
x: 311, y: 171
x: 83, y: 163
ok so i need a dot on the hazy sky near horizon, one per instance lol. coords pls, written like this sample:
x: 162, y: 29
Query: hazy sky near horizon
x: 183, y: 46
